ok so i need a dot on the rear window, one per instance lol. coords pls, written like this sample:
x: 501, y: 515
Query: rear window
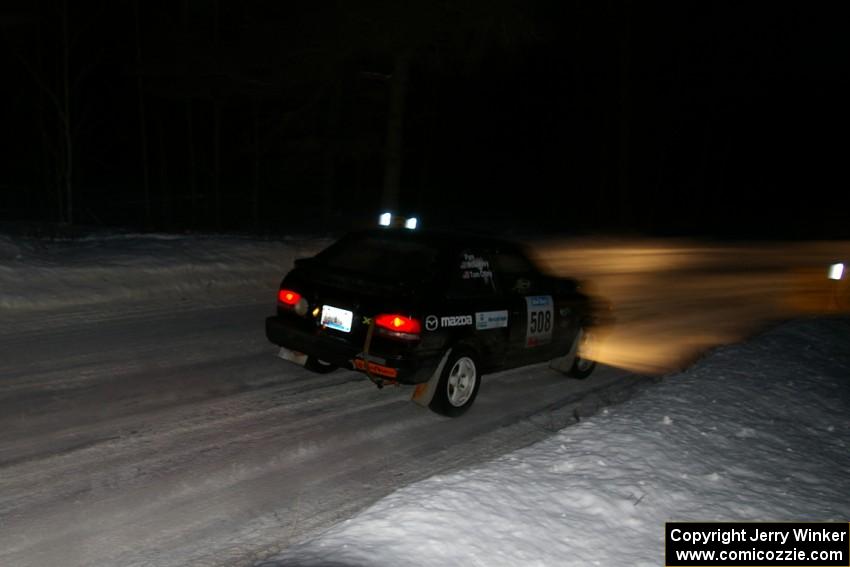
x: 397, y: 258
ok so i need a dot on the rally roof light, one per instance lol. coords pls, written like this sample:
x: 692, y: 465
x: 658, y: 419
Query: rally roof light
x: 388, y: 219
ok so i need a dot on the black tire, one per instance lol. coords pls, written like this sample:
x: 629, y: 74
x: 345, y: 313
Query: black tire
x: 583, y: 367
x: 458, y: 385
x: 319, y: 366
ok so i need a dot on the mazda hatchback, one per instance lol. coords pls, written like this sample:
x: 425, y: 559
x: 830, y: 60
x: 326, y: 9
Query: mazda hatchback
x: 436, y: 310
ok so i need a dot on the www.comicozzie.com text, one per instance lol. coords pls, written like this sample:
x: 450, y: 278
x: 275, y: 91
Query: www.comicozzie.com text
x: 727, y: 536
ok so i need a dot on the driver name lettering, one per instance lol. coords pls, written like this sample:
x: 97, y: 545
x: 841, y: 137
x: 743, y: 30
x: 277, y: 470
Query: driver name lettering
x: 471, y: 261
x: 475, y: 267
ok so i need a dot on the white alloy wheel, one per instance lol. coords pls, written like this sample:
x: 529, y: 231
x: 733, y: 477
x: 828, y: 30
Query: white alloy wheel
x: 461, y: 381
x: 584, y: 362
x: 585, y: 351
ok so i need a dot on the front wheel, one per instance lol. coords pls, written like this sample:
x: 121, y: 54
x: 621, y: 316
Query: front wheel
x: 583, y: 364
x: 458, y: 385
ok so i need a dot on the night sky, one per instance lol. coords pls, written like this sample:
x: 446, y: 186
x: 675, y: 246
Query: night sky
x: 718, y: 119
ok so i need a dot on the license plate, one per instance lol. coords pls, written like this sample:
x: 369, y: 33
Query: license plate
x: 336, y: 318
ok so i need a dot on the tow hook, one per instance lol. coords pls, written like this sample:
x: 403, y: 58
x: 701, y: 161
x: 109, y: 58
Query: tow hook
x: 377, y: 380
x: 381, y: 382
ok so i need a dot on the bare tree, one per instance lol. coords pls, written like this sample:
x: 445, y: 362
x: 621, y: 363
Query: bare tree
x: 60, y: 91
x: 395, y: 127
x: 143, y: 132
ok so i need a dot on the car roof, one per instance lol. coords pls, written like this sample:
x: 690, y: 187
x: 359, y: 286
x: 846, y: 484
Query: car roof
x: 439, y: 237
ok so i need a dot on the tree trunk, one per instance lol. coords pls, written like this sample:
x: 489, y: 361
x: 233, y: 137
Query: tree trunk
x: 331, y: 149
x: 66, y: 119
x: 193, y: 183
x: 143, y: 133
x: 165, y: 186
x: 50, y: 191
x: 423, y: 186
x: 255, y: 195
x: 701, y: 205
x: 624, y: 193
x: 216, y: 123
x: 394, y: 150
x: 578, y: 151
x: 216, y: 182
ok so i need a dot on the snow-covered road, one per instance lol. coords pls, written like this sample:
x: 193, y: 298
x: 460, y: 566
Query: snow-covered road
x: 177, y: 437
x: 753, y: 432
x: 144, y: 419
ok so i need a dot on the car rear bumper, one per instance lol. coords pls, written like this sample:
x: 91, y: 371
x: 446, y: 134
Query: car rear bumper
x: 410, y: 368
x: 329, y: 350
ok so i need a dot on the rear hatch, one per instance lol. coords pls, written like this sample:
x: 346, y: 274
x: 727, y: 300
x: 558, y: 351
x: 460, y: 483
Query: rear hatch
x: 361, y: 276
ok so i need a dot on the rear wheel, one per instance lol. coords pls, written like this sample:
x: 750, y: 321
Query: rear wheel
x: 583, y: 364
x: 458, y: 385
x: 319, y: 366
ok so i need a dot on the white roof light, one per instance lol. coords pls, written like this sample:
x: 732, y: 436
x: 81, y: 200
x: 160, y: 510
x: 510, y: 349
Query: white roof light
x: 385, y: 219
x: 836, y: 271
x: 411, y: 223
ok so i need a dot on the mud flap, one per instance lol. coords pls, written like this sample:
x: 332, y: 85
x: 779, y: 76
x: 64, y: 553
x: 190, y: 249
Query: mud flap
x: 298, y: 358
x: 424, y: 392
x: 564, y: 363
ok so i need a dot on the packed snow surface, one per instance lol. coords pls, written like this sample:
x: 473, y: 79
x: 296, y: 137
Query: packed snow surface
x: 122, y: 271
x: 144, y: 419
x: 753, y: 432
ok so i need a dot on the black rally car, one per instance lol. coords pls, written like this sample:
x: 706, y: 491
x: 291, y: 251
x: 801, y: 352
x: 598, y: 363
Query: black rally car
x: 433, y: 309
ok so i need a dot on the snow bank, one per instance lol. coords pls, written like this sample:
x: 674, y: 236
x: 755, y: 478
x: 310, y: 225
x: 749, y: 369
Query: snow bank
x: 756, y: 431
x: 167, y: 270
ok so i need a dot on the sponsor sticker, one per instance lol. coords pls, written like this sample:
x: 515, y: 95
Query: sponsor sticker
x: 522, y: 285
x: 431, y: 323
x: 491, y: 320
x: 541, y: 320
x: 455, y: 320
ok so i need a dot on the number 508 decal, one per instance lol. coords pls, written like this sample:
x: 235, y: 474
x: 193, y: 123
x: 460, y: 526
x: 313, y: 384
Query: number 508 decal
x: 540, y: 320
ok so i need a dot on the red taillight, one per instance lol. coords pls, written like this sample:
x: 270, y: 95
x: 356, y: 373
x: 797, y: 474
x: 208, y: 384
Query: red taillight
x: 288, y: 297
x: 398, y: 323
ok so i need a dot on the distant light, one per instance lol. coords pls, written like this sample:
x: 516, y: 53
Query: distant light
x: 836, y: 271
x: 411, y: 223
x: 386, y: 219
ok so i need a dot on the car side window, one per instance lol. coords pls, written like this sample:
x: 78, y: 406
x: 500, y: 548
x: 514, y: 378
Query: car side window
x: 472, y: 274
x: 514, y: 271
x: 512, y: 262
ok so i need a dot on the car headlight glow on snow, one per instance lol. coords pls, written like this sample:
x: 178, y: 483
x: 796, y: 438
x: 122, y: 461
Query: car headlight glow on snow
x: 836, y: 271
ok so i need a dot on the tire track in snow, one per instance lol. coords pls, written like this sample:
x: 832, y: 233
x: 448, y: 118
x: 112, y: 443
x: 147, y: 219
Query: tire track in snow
x: 224, y: 455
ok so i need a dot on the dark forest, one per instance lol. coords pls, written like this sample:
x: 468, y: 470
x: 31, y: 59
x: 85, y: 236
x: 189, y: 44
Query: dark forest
x: 721, y: 119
